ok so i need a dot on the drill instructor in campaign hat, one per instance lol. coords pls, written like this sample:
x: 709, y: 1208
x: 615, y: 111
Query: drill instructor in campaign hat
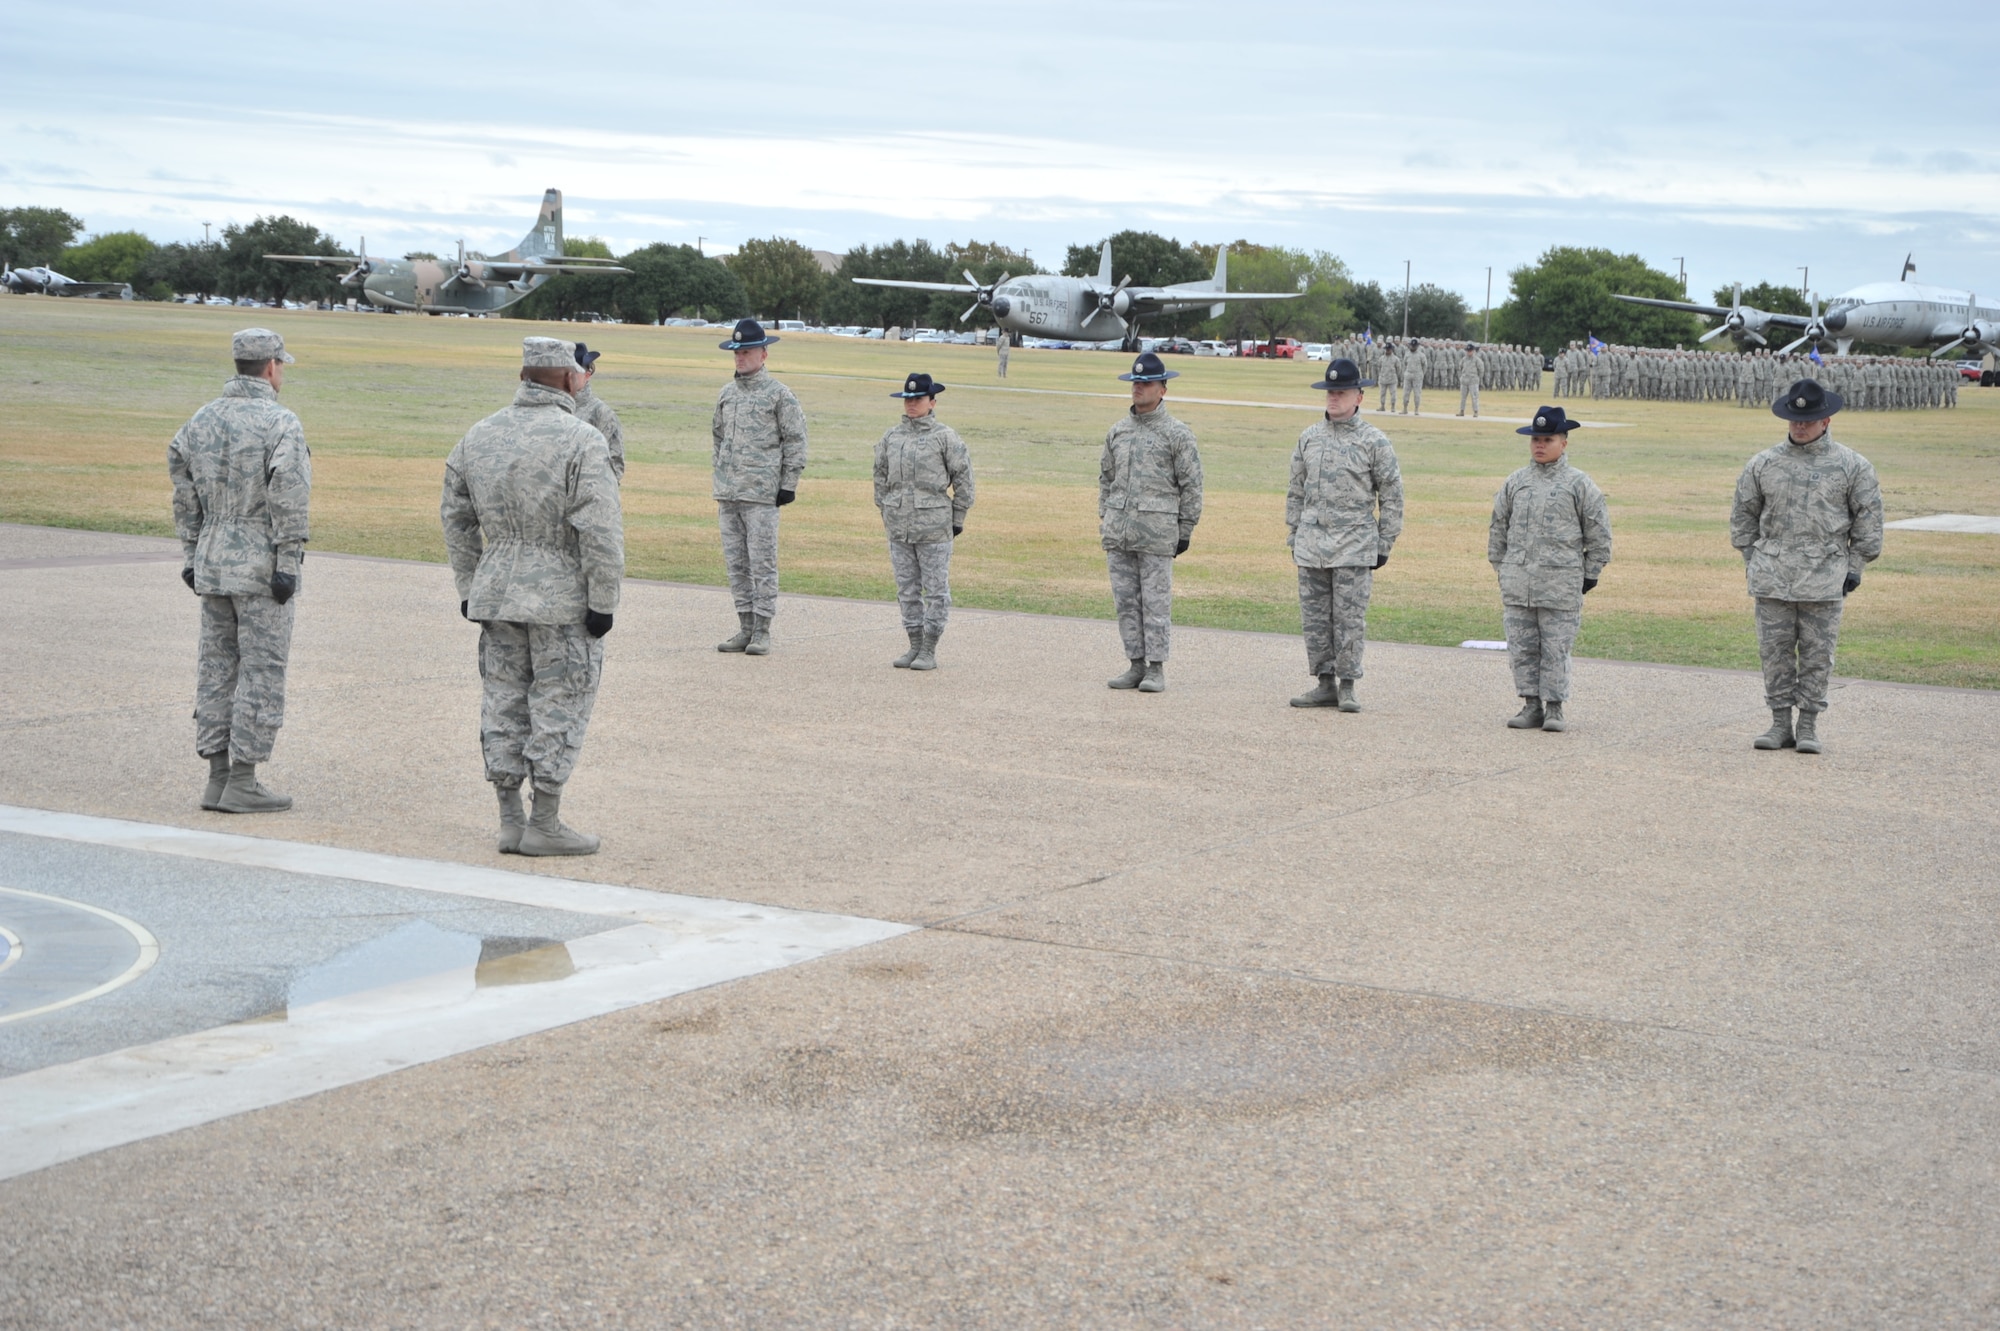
x: 1148, y: 502
x: 759, y: 433
x: 923, y: 486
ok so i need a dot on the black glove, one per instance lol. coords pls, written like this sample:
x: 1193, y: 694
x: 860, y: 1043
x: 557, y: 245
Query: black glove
x: 596, y: 623
x: 786, y: 497
x: 1853, y: 581
x: 1588, y: 583
x: 958, y: 530
x: 1180, y: 546
x: 187, y: 576
x: 465, y: 609
x: 1380, y: 560
x: 283, y: 585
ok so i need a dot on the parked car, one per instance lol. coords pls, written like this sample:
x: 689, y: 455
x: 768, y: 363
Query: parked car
x: 1318, y: 351
x: 1174, y: 346
x: 1212, y: 347
x: 1975, y: 371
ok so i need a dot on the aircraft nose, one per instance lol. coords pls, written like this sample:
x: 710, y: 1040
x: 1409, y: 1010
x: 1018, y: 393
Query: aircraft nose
x: 1836, y: 321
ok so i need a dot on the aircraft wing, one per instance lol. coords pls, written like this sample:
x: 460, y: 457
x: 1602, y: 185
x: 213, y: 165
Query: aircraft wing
x: 75, y: 288
x: 344, y: 259
x: 958, y: 287
x: 510, y: 268
x: 1713, y: 311
x: 1183, y: 296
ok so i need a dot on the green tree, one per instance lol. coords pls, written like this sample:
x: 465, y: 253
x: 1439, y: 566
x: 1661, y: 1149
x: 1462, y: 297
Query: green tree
x: 673, y: 280
x: 888, y: 307
x: 1148, y: 258
x: 32, y: 236
x: 1434, y: 312
x: 115, y: 256
x: 246, y: 272
x: 1766, y: 296
x: 782, y: 278
x: 1370, y: 307
x: 571, y: 294
x: 180, y: 268
x: 1566, y: 296
x: 988, y: 261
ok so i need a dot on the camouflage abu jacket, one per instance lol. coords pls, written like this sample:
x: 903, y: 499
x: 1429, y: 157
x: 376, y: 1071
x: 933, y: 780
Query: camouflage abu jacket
x: 530, y: 514
x: 1805, y: 517
x: 1550, y: 532
x: 242, y: 484
x: 1148, y: 484
x: 923, y: 480
x: 760, y: 439
x: 1342, y: 471
x: 595, y: 412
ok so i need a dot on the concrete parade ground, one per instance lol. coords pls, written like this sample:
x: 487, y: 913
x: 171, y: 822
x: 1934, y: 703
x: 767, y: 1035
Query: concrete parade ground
x: 988, y: 997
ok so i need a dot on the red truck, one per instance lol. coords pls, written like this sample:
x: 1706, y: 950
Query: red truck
x: 1280, y: 348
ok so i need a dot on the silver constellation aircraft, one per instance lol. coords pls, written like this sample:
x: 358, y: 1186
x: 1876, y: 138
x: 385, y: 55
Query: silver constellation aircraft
x: 48, y: 282
x: 1086, y: 309
x: 1900, y: 313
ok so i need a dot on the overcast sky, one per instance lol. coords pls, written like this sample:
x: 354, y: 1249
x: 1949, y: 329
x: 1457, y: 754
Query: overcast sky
x: 1749, y: 139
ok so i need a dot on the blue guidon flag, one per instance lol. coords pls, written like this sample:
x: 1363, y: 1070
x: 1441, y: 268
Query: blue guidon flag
x: 1596, y: 347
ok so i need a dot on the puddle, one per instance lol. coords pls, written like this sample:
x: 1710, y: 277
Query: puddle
x: 418, y: 949
x: 536, y: 961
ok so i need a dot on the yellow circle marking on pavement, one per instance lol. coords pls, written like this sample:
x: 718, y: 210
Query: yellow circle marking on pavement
x: 149, y: 952
x: 13, y: 947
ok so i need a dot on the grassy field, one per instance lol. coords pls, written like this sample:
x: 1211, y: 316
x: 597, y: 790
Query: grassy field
x: 93, y: 391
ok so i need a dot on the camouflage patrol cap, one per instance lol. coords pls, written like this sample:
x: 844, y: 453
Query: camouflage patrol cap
x: 548, y: 353
x: 258, y: 344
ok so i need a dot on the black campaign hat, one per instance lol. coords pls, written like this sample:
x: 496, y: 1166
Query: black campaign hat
x: 1343, y: 373
x: 1549, y: 420
x: 920, y: 385
x: 585, y: 357
x: 1806, y: 400
x: 1149, y: 369
x: 749, y: 333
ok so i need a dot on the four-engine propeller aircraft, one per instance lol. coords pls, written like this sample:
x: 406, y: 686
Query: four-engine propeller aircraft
x: 1086, y: 309
x: 1900, y: 314
x: 46, y: 281
x: 475, y: 284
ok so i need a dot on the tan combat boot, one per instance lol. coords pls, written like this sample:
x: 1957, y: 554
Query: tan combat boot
x: 1155, y: 678
x: 513, y: 819
x: 1347, y: 703
x: 926, y: 657
x: 1130, y: 679
x: 1779, y: 736
x: 243, y: 794
x: 1529, y: 717
x: 1552, y: 715
x: 741, y: 638
x: 760, y: 636
x: 545, y: 833
x: 1808, y: 734
x: 1326, y: 695
x: 916, y: 647
x: 218, y: 777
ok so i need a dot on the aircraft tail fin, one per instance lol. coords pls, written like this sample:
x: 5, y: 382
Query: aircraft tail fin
x: 1104, y: 265
x: 1221, y: 279
x: 546, y: 240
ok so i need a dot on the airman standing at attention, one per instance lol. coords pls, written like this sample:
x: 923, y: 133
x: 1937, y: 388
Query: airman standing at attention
x: 1343, y: 510
x: 595, y: 412
x: 1549, y: 541
x: 1388, y: 370
x: 242, y: 485
x: 923, y: 485
x: 1413, y: 379
x: 1468, y: 380
x: 1148, y: 502
x: 760, y: 453
x: 537, y: 544
x: 1808, y: 518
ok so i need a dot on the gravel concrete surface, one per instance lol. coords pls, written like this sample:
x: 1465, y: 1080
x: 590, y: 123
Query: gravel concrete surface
x: 1226, y: 1014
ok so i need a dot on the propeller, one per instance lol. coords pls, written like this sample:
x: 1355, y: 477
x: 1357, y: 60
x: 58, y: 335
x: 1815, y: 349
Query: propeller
x: 1737, y: 322
x: 981, y: 295
x: 1114, y: 301
x: 1976, y: 333
x: 361, y: 268
x: 1815, y: 330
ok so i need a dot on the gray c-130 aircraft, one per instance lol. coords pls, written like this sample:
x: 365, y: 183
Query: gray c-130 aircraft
x: 1086, y: 309
x: 475, y: 284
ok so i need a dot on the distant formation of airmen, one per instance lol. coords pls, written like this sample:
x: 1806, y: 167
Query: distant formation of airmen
x: 1752, y: 378
x: 535, y: 534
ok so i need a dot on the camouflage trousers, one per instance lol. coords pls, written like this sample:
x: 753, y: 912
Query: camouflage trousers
x: 1538, y: 646
x: 1142, y: 587
x: 1471, y: 391
x: 923, y: 583
x: 1333, y: 607
x: 537, y: 685
x: 750, y: 550
x: 1413, y: 392
x: 1386, y: 399
x: 239, y: 696
x: 1796, y: 641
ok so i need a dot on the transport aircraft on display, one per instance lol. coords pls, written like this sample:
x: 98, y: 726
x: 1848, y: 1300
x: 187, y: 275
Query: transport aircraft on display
x: 46, y: 281
x: 1898, y: 314
x: 474, y: 284
x: 1086, y: 309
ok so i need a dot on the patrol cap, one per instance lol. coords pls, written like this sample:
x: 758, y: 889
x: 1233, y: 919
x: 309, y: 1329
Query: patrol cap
x: 920, y: 385
x: 547, y: 353
x: 1148, y: 369
x: 749, y: 333
x: 1807, y: 401
x: 1549, y: 420
x: 585, y: 357
x: 1343, y: 373
x: 258, y: 344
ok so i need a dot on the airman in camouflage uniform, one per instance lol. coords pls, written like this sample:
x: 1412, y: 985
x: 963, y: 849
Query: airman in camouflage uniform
x: 1148, y: 502
x: 923, y: 485
x: 595, y: 412
x: 1388, y: 372
x: 1414, y: 370
x: 1343, y: 510
x: 1468, y: 380
x: 759, y: 432
x: 1808, y: 518
x: 242, y: 485
x: 537, y: 544
x: 1549, y: 542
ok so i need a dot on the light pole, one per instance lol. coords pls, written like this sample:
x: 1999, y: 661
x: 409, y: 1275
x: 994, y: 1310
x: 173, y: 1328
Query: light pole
x: 1804, y: 274
x: 1681, y: 259
x: 1486, y: 327
x: 1406, y: 300
x: 699, y: 241
x: 204, y: 235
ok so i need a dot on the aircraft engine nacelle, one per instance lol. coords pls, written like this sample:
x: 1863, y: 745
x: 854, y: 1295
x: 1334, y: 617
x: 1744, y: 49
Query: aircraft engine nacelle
x: 522, y: 284
x: 472, y: 274
x: 1121, y: 304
